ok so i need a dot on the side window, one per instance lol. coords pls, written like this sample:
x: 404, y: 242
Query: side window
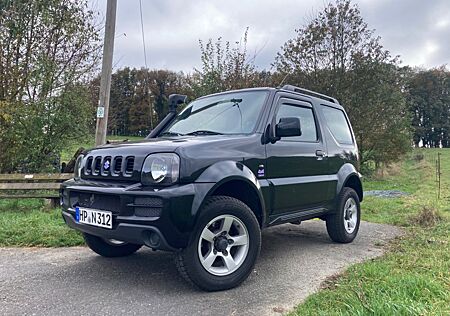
x: 338, y: 125
x: 307, y: 123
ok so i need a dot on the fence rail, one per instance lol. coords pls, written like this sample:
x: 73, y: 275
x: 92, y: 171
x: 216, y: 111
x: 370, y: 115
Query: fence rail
x: 38, y: 185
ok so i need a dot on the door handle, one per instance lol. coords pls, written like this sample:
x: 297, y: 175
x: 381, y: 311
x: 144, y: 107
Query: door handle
x: 320, y: 153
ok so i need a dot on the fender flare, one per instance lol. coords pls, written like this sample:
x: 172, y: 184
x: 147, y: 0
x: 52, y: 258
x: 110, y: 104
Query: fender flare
x: 345, y: 172
x: 212, y: 178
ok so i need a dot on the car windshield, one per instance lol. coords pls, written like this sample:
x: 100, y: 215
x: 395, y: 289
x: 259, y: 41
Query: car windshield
x: 229, y: 113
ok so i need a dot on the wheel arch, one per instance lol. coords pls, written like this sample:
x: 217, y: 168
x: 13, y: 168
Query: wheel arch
x: 240, y: 183
x: 244, y: 191
x: 353, y: 181
x: 348, y: 176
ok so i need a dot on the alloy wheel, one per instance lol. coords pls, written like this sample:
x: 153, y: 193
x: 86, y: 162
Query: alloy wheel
x: 350, y: 215
x: 223, y: 245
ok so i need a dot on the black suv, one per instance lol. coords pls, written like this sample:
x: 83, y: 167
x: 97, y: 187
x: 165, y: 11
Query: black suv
x: 207, y: 180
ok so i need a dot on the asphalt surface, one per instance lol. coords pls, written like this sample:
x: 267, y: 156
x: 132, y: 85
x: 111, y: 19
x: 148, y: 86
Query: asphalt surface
x: 294, y: 261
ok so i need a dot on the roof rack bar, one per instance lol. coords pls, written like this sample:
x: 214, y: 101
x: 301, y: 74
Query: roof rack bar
x: 309, y: 92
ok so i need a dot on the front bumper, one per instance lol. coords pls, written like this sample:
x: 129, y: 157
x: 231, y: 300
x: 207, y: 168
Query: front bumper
x: 133, y: 233
x: 164, y: 223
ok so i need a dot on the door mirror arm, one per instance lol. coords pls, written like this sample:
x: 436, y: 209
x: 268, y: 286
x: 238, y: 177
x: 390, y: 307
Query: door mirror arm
x: 269, y: 135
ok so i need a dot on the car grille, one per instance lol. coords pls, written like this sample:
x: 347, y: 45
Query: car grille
x: 148, y: 206
x: 126, y: 168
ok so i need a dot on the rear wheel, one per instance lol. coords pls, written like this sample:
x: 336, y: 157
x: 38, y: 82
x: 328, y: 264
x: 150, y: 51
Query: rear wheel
x: 110, y: 247
x: 343, y: 225
x: 224, y: 247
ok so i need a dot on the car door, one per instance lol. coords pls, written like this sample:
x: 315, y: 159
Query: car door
x: 297, y: 166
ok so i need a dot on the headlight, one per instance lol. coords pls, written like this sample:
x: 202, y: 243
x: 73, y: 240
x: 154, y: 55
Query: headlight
x: 161, y: 169
x: 77, y: 167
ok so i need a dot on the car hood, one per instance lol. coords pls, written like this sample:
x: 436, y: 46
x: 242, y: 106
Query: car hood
x: 196, y: 154
x: 161, y: 144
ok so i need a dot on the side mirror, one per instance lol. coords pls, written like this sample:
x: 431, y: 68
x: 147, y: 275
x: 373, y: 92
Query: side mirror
x: 287, y: 127
x: 175, y: 100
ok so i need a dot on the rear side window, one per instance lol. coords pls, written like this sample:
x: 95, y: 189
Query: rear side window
x: 338, y: 125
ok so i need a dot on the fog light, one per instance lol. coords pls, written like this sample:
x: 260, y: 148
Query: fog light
x: 154, y: 239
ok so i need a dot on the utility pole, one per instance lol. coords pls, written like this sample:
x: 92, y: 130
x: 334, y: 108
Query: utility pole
x: 105, y: 80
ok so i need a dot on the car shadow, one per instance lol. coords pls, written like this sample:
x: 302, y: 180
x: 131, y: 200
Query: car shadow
x: 156, y: 270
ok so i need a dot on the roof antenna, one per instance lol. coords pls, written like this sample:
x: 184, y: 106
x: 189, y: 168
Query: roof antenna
x: 282, y: 81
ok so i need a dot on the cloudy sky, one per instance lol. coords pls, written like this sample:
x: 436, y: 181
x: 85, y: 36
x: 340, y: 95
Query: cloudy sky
x: 417, y: 30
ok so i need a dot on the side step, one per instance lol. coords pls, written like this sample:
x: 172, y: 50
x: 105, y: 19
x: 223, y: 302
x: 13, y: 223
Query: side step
x: 301, y: 216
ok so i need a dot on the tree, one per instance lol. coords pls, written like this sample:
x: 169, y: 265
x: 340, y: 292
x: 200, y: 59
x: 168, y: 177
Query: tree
x: 164, y: 83
x: 429, y: 100
x: 226, y: 67
x: 47, y: 49
x: 138, y: 98
x: 123, y: 90
x: 139, y: 111
x: 337, y: 54
x: 378, y: 111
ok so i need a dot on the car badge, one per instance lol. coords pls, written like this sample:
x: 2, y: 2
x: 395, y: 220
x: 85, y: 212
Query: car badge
x: 261, y: 172
x: 106, y: 165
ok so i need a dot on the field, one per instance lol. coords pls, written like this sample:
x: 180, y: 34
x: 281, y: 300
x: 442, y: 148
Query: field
x: 412, y: 278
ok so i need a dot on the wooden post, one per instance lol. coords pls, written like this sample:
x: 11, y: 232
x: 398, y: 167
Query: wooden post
x: 105, y: 80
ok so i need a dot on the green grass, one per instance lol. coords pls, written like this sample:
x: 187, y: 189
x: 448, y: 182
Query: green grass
x: 29, y: 222
x: 413, y: 278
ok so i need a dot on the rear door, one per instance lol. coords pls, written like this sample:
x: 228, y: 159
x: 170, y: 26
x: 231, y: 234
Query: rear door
x: 297, y: 167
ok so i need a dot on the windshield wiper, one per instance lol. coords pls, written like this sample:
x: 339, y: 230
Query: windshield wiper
x: 203, y: 132
x: 234, y: 101
x: 170, y: 134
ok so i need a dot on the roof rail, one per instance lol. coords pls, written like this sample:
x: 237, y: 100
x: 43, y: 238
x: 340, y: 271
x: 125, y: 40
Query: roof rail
x: 309, y: 92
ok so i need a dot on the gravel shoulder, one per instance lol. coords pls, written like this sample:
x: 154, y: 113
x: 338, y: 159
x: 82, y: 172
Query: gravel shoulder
x: 294, y: 261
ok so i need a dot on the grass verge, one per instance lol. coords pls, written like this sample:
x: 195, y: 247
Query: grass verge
x: 29, y: 222
x: 413, y: 277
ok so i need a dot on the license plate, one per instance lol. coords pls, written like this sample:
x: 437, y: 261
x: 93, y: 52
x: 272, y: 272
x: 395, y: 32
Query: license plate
x: 93, y: 217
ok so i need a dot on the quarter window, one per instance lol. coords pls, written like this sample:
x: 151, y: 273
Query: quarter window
x: 307, y: 123
x: 338, y: 125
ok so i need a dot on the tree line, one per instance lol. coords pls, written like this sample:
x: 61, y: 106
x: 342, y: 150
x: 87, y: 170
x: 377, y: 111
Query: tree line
x: 49, y: 92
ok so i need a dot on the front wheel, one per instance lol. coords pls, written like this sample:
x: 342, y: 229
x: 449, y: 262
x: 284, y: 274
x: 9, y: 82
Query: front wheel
x: 224, y: 247
x: 343, y: 225
x: 110, y: 247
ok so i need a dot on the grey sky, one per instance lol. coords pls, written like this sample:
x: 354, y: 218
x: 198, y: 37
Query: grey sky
x: 417, y: 30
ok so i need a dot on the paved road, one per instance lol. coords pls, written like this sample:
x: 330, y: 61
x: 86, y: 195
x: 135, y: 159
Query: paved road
x: 294, y: 261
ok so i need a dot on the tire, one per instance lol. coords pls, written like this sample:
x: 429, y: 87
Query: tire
x: 223, y: 268
x: 343, y: 225
x: 111, y: 248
